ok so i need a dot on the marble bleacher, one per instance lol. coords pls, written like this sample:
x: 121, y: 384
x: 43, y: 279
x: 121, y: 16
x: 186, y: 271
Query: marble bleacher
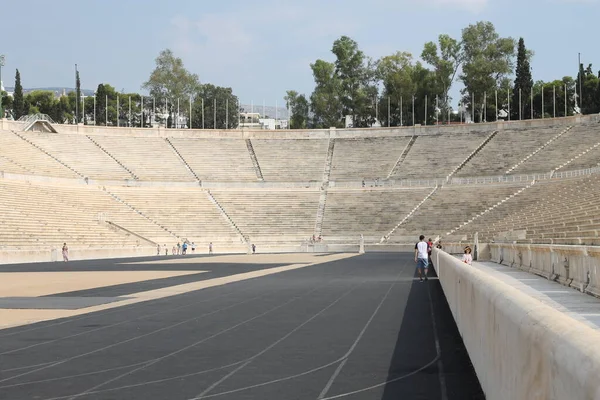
x: 96, y: 164
x: 506, y: 149
x: 271, y: 216
x: 148, y: 158
x: 453, y: 205
x: 217, y: 159
x: 370, y: 212
x: 436, y: 156
x: 366, y: 158
x: 20, y: 157
x: 291, y: 160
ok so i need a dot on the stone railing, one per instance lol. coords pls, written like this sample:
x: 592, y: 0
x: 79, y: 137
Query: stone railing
x: 574, y: 266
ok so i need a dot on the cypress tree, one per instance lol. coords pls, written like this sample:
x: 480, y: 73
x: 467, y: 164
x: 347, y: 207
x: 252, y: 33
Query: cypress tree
x: 77, y: 97
x: 100, y: 105
x: 523, y: 81
x: 18, y: 102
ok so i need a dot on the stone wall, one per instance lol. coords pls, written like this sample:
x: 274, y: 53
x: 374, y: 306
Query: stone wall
x: 520, y: 347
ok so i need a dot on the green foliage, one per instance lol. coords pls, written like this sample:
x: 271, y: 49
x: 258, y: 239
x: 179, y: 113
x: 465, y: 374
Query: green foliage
x: 101, y: 105
x: 354, y: 76
x: 78, y: 98
x: 170, y: 79
x: 446, y: 61
x: 523, y: 85
x: 227, y: 111
x: 402, y: 78
x: 548, y: 89
x: 7, y: 102
x: 299, y: 109
x: 18, y: 102
x: 325, y: 101
x: 488, y: 61
x: 589, y: 98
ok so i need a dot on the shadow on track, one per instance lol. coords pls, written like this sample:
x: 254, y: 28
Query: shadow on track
x: 416, y: 369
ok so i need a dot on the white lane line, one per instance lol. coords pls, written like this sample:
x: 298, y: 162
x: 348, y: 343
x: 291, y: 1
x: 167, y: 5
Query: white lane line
x: 214, y: 385
x: 358, y: 338
x: 134, y: 338
x: 189, y: 346
x: 118, y: 323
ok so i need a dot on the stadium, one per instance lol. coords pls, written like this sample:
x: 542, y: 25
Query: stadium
x: 330, y: 212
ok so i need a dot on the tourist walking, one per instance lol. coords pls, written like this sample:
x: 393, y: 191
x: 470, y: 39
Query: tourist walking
x: 158, y: 249
x: 421, y: 257
x: 210, y: 249
x: 65, y: 252
x: 184, y: 248
x: 253, y: 248
x: 178, y: 248
x: 166, y: 249
x: 193, y: 247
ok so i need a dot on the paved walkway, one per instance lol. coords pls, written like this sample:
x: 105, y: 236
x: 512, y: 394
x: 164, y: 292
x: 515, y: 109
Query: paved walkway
x: 580, y: 306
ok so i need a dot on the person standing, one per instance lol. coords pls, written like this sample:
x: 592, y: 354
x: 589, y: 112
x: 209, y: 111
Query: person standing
x: 210, y: 248
x: 253, y: 248
x: 421, y: 257
x: 193, y: 247
x: 184, y: 248
x: 158, y: 249
x: 178, y: 248
x: 166, y: 249
x: 65, y: 252
x: 429, y: 251
x: 467, y: 258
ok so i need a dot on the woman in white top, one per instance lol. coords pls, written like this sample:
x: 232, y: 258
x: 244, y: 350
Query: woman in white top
x: 467, y: 258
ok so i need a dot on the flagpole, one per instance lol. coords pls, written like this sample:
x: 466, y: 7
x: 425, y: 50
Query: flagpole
x: 203, y: 113
x: 227, y: 113
x: 520, y: 106
x: 77, y: 99
x: 177, y: 123
x: 190, y: 112
x: 543, y: 110
x: 496, y: 95
x: 554, y: 101
x: 215, y: 113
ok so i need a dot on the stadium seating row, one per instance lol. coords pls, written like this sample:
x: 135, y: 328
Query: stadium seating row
x: 118, y: 158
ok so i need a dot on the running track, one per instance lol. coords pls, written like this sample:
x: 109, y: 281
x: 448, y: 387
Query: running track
x: 359, y: 328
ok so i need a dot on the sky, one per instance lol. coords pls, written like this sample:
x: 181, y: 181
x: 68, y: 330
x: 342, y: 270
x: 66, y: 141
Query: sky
x: 262, y: 48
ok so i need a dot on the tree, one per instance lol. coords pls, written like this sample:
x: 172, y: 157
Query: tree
x: 402, y: 79
x: 446, y: 61
x: 78, y: 98
x: 170, y: 80
x: 548, y: 88
x: 523, y: 85
x: 7, y: 102
x: 42, y: 101
x: 18, y: 102
x: 227, y: 111
x: 588, y: 101
x: 101, y: 105
x: 325, y: 101
x: 354, y: 75
x: 299, y: 109
x: 488, y: 60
